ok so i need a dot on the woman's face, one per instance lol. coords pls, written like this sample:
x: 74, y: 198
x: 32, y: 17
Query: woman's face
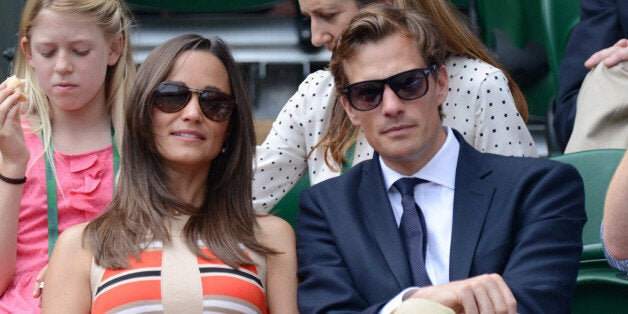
x: 70, y: 56
x: 187, y: 140
x: 328, y: 19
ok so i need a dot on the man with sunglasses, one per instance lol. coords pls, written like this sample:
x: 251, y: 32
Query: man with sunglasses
x: 429, y: 216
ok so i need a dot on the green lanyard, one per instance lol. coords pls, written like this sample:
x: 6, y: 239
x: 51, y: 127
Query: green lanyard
x: 346, y: 165
x: 51, y: 190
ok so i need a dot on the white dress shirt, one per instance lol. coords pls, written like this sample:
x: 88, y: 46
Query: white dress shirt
x: 436, y: 200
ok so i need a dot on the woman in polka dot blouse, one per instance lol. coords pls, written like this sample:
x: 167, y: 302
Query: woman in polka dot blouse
x: 483, y: 104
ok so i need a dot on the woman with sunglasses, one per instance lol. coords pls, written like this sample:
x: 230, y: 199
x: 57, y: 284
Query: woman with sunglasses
x: 58, y: 145
x: 312, y: 132
x: 180, y: 235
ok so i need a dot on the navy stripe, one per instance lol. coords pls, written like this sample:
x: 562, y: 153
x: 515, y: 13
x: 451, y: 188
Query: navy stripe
x: 136, y: 274
x: 232, y: 271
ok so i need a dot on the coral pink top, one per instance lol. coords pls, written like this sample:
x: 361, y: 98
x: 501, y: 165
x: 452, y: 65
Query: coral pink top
x: 86, y: 187
x: 170, y: 278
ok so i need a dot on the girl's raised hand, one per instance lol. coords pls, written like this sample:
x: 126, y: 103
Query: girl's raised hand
x: 12, y: 147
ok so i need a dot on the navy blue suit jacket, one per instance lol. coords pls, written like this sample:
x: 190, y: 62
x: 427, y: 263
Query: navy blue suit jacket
x: 602, y: 24
x: 519, y: 217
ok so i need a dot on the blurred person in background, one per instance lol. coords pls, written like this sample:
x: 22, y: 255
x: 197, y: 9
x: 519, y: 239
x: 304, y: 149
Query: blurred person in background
x: 603, y: 27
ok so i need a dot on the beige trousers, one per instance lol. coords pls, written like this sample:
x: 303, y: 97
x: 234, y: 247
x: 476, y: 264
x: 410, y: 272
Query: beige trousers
x: 602, y: 110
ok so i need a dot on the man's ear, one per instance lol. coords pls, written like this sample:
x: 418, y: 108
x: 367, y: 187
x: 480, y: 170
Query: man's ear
x: 115, y: 49
x: 349, y: 110
x: 442, y: 84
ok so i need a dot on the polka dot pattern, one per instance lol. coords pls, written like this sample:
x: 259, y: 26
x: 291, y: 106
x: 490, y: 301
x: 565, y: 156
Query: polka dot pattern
x: 479, y: 105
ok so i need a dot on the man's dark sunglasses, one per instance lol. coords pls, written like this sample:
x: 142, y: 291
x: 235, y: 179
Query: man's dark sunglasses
x: 408, y: 85
x: 171, y: 97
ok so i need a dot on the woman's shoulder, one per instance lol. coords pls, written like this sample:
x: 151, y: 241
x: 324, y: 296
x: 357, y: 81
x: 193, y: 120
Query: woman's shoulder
x: 274, y: 231
x: 469, y: 76
x: 70, y: 244
x: 73, y: 234
x: 321, y: 78
x: 460, y: 65
x: 316, y: 85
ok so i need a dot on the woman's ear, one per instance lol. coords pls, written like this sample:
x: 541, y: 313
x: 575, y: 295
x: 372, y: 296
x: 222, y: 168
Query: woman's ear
x: 26, y: 49
x: 115, y: 49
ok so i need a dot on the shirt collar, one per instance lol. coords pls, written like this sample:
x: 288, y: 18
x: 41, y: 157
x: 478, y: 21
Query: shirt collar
x: 441, y: 169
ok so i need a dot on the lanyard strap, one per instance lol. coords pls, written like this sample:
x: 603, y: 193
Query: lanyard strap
x: 346, y: 165
x: 51, y: 191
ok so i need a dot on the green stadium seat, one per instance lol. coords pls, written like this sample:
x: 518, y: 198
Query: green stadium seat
x: 519, y: 26
x: 559, y: 19
x: 288, y: 207
x: 596, y: 168
x: 599, y: 288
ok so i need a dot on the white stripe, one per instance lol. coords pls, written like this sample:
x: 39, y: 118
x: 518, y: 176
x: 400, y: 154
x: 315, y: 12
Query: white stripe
x: 143, y: 309
x: 227, y: 305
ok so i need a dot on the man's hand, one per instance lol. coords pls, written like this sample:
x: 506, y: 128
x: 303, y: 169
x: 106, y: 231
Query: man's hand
x: 481, y: 294
x: 610, y: 56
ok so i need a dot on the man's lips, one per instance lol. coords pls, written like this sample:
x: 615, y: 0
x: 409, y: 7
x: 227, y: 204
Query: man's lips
x: 397, y: 129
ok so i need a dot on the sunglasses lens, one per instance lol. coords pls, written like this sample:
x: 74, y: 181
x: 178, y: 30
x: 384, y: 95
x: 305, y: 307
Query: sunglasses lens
x: 216, y: 107
x: 170, y: 97
x: 409, y: 85
x: 366, y: 96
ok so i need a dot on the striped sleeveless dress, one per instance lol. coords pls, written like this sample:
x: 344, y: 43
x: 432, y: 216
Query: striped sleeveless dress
x: 172, y: 279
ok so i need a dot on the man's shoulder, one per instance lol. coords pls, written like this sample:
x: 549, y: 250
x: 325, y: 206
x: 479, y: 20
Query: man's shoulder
x: 348, y: 180
x: 470, y: 158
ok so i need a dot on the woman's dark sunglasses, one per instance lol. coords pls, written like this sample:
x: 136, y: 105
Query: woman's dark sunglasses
x: 172, y: 97
x: 408, y: 85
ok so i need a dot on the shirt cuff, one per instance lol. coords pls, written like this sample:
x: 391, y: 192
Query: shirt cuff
x: 396, y: 301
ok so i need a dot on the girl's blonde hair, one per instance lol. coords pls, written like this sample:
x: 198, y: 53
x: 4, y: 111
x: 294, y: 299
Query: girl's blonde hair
x: 113, y: 18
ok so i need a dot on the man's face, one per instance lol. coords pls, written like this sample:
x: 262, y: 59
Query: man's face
x: 405, y: 133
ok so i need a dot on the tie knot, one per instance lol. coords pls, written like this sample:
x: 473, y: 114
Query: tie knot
x: 406, y: 185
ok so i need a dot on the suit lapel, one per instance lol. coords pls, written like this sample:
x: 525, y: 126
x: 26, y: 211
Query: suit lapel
x: 472, y: 198
x: 380, y: 221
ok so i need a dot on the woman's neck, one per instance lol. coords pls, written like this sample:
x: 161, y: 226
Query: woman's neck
x: 190, y: 186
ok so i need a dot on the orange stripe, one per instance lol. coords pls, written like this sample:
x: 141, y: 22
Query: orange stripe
x: 127, y: 292
x: 147, y: 259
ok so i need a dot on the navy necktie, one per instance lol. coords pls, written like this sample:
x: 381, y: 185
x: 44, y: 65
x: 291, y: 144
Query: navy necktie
x: 412, y: 230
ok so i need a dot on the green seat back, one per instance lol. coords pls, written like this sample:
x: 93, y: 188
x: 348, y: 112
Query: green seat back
x: 502, y: 15
x: 600, y: 288
x: 596, y: 168
x: 559, y: 19
x: 461, y: 3
x: 521, y: 23
x: 547, y: 23
x: 288, y: 207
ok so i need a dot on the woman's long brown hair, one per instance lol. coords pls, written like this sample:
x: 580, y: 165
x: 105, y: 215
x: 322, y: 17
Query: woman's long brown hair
x: 143, y: 201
